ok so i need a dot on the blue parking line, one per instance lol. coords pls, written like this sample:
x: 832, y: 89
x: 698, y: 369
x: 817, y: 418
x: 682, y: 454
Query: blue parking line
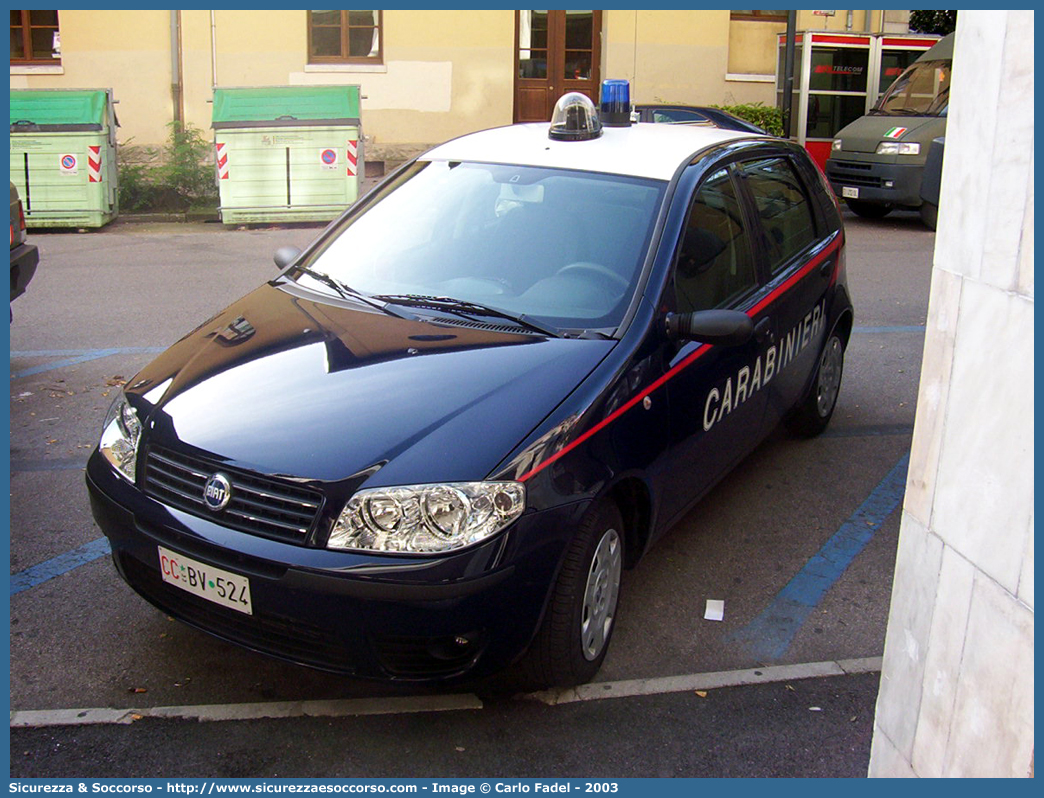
x: 769, y: 635
x: 71, y: 357
x: 56, y: 566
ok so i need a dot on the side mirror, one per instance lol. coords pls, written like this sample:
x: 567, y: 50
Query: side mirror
x: 724, y: 327
x: 284, y: 256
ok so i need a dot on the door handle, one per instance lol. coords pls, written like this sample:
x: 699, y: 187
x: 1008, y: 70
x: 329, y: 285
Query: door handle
x: 763, y: 331
x: 827, y: 268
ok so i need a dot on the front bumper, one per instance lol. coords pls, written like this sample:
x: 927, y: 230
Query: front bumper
x: 24, y: 259
x: 878, y: 183
x: 386, y: 617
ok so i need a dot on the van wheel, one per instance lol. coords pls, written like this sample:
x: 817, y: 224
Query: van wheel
x: 574, y: 636
x: 929, y: 214
x: 868, y: 210
x: 812, y: 416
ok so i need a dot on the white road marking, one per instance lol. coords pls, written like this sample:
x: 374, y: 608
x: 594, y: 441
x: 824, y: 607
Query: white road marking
x: 273, y: 709
x: 441, y: 703
x: 706, y: 681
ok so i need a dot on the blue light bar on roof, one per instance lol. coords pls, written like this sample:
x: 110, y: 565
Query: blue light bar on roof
x: 615, y: 108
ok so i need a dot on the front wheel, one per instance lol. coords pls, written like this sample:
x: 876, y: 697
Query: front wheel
x: 579, y: 620
x: 812, y: 416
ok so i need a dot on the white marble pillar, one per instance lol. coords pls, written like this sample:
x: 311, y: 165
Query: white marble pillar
x: 956, y: 694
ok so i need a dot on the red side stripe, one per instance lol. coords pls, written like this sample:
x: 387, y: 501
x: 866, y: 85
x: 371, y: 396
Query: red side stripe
x: 688, y: 361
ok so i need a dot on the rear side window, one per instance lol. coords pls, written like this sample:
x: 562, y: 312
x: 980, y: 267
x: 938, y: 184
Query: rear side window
x: 715, y: 264
x: 783, y: 206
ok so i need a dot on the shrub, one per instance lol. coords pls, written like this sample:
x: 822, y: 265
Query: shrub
x: 174, y: 178
x: 764, y: 116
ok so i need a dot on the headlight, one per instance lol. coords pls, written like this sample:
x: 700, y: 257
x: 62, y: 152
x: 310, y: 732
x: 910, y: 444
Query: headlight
x: 425, y: 519
x: 899, y: 148
x: 120, y: 435
x: 836, y: 146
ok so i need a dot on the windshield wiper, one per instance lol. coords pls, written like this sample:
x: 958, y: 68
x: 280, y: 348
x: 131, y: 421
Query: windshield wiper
x: 347, y: 292
x: 464, y: 308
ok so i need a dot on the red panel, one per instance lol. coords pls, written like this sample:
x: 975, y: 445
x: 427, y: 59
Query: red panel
x: 910, y: 43
x: 819, y: 150
x: 819, y: 38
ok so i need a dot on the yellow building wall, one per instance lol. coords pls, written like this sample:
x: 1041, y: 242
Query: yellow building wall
x: 681, y: 56
x: 444, y: 73
x: 752, y: 46
x: 126, y: 51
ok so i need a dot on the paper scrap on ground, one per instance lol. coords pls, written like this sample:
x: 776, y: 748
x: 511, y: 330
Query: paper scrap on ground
x: 715, y: 610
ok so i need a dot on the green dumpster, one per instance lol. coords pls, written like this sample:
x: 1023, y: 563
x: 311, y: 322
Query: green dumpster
x: 63, y: 156
x: 287, y: 153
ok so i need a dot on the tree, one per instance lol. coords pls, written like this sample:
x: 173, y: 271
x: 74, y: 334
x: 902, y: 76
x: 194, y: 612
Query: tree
x: 940, y: 22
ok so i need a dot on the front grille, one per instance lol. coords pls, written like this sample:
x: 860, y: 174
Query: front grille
x: 289, y: 639
x: 854, y: 173
x: 259, y: 505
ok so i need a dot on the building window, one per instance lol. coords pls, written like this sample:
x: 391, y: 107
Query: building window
x: 34, y: 38
x: 772, y: 15
x: 344, y: 37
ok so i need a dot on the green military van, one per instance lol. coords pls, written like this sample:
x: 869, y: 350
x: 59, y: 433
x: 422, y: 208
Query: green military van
x: 876, y: 162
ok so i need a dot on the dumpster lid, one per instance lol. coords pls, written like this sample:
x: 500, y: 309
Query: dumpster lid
x: 59, y: 110
x: 285, y: 106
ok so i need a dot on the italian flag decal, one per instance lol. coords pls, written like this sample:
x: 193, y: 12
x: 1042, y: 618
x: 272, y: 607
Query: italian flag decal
x: 895, y: 133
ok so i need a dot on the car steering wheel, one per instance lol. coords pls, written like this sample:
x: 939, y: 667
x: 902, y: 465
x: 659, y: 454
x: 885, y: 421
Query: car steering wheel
x: 594, y: 268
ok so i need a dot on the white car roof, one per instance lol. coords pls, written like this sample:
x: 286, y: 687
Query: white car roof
x: 641, y: 150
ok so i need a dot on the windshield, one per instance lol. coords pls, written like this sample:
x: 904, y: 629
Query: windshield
x: 562, y: 246
x: 922, y: 90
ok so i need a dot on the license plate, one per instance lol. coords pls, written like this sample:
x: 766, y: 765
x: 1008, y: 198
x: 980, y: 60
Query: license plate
x: 224, y: 588
x: 849, y: 192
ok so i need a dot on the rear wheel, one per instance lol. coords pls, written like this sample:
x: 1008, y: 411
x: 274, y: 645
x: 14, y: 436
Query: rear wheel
x: 812, y: 416
x: 868, y: 210
x: 580, y: 617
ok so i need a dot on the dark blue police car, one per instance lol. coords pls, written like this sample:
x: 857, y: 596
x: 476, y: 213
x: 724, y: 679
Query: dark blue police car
x: 429, y: 446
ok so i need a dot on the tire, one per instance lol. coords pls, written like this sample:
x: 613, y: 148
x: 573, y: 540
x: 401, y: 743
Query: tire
x: 929, y: 214
x: 813, y: 414
x: 868, y: 210
x: 580, y: 617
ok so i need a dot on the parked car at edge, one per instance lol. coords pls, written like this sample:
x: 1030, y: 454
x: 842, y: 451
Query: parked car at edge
x: 695, y: 115
x: 877, y: 163
x: 427, y: 448
x: 24, y: 256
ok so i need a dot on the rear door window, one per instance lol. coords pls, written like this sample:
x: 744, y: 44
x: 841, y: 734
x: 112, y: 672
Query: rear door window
x: 784, y: 209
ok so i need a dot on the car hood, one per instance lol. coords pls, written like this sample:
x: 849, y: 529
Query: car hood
x: 864, y: 134
x: 286, y: 383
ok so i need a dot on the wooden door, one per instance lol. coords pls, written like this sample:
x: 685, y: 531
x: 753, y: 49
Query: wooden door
x: 556, y: 52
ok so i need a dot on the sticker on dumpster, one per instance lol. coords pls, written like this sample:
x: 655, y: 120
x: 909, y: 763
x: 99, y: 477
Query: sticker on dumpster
x: 93, y: 164
x: 352, y: 152
x: 328, y: 159
x: 67, y: 165
x: 222, y: 160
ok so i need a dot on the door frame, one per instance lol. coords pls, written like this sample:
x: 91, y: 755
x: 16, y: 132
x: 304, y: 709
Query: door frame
x: 556, y: 84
